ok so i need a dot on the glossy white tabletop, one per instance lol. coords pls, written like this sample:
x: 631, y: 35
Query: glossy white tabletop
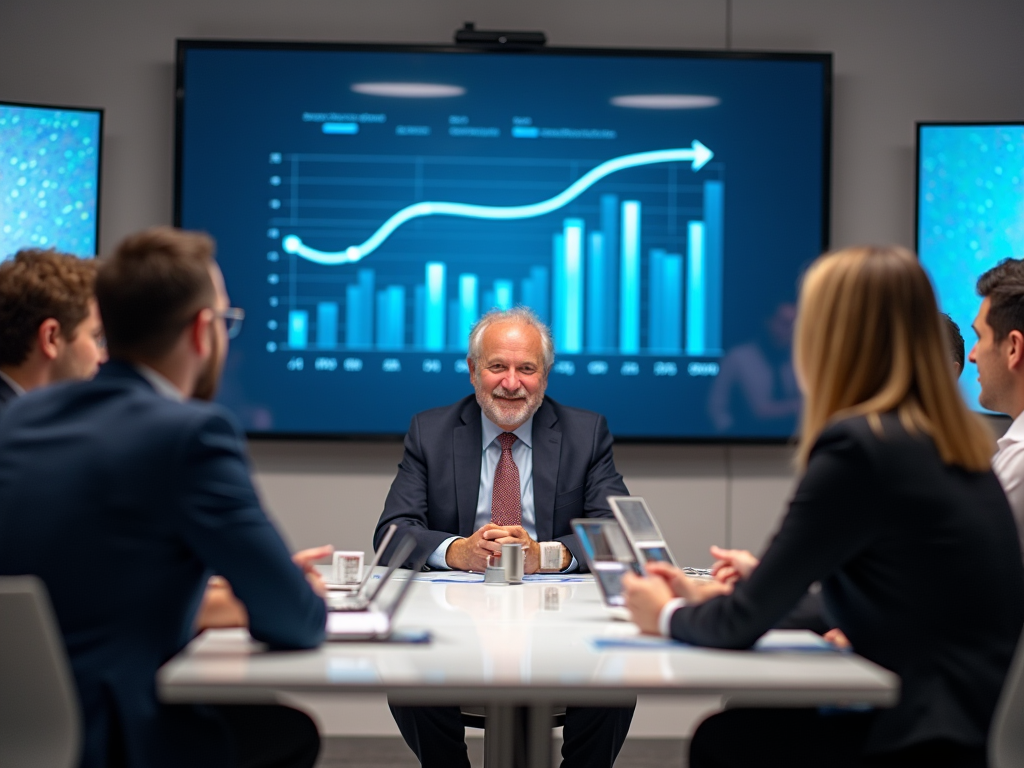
x: 532, y: 643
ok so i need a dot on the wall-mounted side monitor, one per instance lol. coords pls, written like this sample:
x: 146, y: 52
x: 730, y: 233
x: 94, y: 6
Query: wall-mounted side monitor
x: 49, y: 178
x: 370, y: 203
x: 970, y: 215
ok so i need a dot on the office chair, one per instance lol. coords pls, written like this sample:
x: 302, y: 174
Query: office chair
x: 40, y: 724
x: 1006, y: 737
x: 476, y: 717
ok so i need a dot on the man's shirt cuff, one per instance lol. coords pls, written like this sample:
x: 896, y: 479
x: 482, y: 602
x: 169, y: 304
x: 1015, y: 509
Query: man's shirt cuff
x: 573, y: 565
x: 437, y: 557
x: 665, y: 617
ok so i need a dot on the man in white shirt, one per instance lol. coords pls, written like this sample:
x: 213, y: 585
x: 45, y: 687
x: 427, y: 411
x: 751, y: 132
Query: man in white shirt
x: 50, y: 328
x: 999, y: 355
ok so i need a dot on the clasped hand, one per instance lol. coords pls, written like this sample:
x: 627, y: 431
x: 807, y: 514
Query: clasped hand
x: 471, y: 553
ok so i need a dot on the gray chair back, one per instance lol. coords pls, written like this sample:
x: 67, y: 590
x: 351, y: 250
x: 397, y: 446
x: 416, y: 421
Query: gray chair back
x: 1006, y: 737
x: 40, y: 724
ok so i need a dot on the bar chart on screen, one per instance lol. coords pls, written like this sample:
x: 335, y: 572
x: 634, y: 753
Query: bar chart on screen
x: 620, y: 256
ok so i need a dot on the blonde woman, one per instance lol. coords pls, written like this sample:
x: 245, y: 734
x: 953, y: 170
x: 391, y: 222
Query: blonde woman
x: 896, y: 503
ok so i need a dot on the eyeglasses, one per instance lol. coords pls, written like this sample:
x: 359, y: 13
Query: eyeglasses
x: 232, y: 317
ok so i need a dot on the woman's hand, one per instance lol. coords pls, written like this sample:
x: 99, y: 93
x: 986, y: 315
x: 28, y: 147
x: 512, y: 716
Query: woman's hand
x: 731, y: 565
x: 646, y: 597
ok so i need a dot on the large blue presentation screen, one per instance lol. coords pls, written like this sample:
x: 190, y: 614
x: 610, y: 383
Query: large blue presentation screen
x: 370, y: 204
x: 970, y: 215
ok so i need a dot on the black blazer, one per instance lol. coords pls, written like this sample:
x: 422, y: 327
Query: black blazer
x: 435, y: 492
x: 7, y: 396
x: 920, y: 567
x: 124, y: 503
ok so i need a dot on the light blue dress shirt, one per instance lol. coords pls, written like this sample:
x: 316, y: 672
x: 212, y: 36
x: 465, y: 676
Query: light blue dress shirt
x: 522, y: 455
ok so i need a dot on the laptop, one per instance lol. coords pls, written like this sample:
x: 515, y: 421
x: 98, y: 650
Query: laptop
x: 641, y: 529
x: 375, y: 621
x: 609, y: 556
x: 360, y: 590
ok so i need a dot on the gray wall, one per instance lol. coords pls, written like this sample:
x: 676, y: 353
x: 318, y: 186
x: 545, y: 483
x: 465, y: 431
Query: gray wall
x: 897, y: 61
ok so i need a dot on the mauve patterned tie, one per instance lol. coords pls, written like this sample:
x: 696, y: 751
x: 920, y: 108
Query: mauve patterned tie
x: 506, y: 503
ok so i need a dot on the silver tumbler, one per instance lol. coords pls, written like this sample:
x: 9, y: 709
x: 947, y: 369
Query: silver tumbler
x: 512, y: 562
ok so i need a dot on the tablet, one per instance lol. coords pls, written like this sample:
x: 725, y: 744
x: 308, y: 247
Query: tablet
x: 641, y: 529
x: 608, y: 555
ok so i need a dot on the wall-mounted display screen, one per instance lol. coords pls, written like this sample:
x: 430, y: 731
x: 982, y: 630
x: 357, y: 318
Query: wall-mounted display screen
x: 49, y: 178
x: 370, y: 203
x: 970, y: 215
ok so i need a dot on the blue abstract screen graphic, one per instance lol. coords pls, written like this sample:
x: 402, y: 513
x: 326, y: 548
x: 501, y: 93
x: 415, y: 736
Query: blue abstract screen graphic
x: 49, y: 179
x: 970, y: 216
x: 370, y: 205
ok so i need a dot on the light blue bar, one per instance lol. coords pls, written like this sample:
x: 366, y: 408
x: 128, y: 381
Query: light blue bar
x: 610, y: 230
x: 596, y: 300
x: 526, y: 293
x: 503, y: 294
x: 353, y: 317
x: 469, y: 307
x: 366, y: 307
x: 382, y: 320
x: 525, y: 132
x: 435, y: 306
x: 454, y: 342
x: 298, y: 328
x: 341, y: 128
x: 655, y: 306
x: 327, y: 325
x: 714, y: 206
x: 695, y: 287
x: 396, y: 316
x: 629, y: 316
x: 558, y: 289
x: 419, y: 328
x: 672, y: 303
x: 573, y: 290
x: 539, y: 281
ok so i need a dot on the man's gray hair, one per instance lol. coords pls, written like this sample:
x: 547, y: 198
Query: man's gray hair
x: 521, y: 315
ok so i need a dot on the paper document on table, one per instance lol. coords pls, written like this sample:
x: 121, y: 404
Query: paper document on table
x: 558, y: 578
x: 450, y: 577
x: 776, y: 641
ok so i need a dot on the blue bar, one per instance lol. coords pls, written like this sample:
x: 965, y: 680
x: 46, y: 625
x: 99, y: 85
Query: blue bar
x: 489, y: 303
x: 596, y: 299
x: 396, y: 316
x: 655, y: 309
x: 298, y: 328
x: 558, y: 288
x: 610, y: 230
x: 572, y: 297
x: 629, y: 316
x: 341, y: 128
x: 469, y: 307
x: 327, y: 325
x: 435, y: 306
x: 714, y: 207
x: 382, y: 320
x: 453, y: 324
x: 526, y: 293
x: 353, y: 312
x: 525, y: 132
x: 539, y: 283
x: 503, y: 294
x: 366, y: 294
x: 672, y: 303
x: 419, y: 327
x: 695, y: 287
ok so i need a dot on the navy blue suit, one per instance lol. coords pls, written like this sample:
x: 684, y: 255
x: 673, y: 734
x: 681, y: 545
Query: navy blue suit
x: 124, y: 502
x: 7, y: 396
x: 434, y: 495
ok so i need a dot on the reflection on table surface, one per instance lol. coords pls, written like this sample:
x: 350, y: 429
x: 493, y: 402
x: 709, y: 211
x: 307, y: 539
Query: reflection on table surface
x: 535, y: 635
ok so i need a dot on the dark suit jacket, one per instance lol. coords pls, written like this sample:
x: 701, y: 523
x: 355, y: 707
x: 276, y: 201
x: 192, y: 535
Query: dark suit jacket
x: 124, y: 503
x: 920, y: 567
x: 435, y: 492
x: 7, y: 396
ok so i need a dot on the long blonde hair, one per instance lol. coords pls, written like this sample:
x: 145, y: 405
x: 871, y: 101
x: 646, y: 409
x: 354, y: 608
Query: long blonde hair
x: 868, y: 341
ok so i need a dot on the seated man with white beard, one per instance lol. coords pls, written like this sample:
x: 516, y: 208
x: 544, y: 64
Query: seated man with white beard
x: 505, y: 465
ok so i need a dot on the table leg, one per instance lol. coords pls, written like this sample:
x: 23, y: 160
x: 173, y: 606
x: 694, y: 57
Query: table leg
x: 518, y: 737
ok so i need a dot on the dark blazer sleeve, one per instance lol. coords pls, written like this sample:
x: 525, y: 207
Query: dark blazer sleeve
x: 223, y: 522
x: 827, y: 523
x: 407, y: 501
x: 602, y: 480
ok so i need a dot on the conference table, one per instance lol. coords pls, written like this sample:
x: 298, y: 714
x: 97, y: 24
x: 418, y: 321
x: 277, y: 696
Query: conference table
x: 522, y: 652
